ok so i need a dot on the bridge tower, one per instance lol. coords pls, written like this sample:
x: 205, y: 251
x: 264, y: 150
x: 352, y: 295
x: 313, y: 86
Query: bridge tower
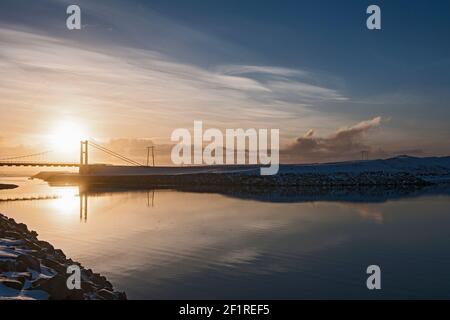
x: 83, y: 156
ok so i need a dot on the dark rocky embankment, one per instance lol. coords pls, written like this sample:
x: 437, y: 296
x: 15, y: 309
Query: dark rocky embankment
x: 34, y: 269
x: 7, y: 186
x: 237, y: 179
x: 399, y: 172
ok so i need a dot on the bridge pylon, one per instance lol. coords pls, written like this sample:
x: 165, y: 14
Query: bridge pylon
x: 84, y: 155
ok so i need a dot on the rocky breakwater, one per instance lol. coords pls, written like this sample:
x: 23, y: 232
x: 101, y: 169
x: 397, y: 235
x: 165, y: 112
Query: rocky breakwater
x: 7, y: 186
x: 34, y: 269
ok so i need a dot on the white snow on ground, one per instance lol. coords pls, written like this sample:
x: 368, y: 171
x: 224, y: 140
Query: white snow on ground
x: 9, y: 251
x: 431, y: 168
x: 13, y: 294
x: 398, y: 164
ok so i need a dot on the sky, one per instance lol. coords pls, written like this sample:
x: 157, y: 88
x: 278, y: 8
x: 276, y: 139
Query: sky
x: 138, y: 70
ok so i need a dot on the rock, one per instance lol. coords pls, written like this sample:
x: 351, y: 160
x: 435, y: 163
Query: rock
x: 121, y: 296
x: 23, y: 262
x: 31, y: 244
x: 108, y: 285
x: 12, y: 234
x: 56, y: 287
x: 60, y: 254
x: 46, y: 246
x: 87, y: 286
x: 7, y: 266
x: 38, y: 254
x: 106, y: 294
x: 25, y: 253
x: 11, y: 283
x: 22, y: 227
x: 103, y: 280
x: 88, y: 272
x: 76, y: 295
x: 58, y: 267
x: 22, y: 276
x: 21, y: 279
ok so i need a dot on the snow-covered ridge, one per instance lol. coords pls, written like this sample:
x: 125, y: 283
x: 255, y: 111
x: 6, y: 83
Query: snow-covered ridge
x: 401, y: 170
x: 416, y: 165
x: 430, y: 169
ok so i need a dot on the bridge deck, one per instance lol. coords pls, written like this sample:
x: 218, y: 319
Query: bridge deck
x: 39, y: 164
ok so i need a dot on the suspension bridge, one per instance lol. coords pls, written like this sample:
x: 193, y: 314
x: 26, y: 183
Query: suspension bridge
x: 36, y: 159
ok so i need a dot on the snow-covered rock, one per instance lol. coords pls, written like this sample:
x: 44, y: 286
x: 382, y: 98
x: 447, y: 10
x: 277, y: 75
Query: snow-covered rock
x: 33, y: 269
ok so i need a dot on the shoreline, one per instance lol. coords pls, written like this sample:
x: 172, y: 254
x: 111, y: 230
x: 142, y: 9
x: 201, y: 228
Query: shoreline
x: 399, y: 171
x: 4, y: 186
x: 32, y: 269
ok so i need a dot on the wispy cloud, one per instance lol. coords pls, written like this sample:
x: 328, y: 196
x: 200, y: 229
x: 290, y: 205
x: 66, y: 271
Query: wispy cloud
x: 268, y: 70
x: 117, y: 83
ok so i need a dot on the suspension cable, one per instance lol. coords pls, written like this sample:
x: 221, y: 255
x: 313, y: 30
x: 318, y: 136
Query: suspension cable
x: 114, y: 154
x: 117, y: 156
x: 26, y: 156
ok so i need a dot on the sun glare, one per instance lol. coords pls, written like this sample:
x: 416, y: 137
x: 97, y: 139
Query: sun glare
x: 66, y: 136
x: 67, y: 202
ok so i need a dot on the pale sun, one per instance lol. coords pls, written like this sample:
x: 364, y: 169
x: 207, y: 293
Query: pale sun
x: 66, y: 137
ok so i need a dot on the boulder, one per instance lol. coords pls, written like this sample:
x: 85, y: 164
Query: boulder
x: 22, y: 227
x: 58, y: 267
x: 11, y: 283
x: 24, y: 257
x: 12, y: 234
x: 23, y: 262
x: 106, y: 294
x: 7, y: 266
x: 31, y: 245
x: 56, y: 287
x: 60, y: 254
x: 46, y: 246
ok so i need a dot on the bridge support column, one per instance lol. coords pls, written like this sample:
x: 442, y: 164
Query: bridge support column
x: 83, y: 156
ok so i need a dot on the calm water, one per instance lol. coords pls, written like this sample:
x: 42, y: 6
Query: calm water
x: 168, y: 244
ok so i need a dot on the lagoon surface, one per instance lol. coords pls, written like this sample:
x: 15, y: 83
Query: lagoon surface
x: 167, y: 244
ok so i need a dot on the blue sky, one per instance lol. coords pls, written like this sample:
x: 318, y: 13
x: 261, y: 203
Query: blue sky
x: 294, y: 65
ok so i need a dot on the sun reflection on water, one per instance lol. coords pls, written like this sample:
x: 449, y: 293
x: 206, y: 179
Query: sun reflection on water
x: 67, y: 202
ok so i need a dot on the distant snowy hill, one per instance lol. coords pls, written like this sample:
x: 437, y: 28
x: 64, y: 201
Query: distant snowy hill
x: 397, y: 164
x: 429, y: 169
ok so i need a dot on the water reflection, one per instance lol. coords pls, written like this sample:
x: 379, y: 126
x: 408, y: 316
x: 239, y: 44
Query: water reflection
x: 84, y: 200
x: 228, y: 244
x: 83, y: 206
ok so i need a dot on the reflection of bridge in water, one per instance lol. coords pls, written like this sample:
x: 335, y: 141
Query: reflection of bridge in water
x: 83, y: 203
x: 30, y: 198
x: 84, y: 197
